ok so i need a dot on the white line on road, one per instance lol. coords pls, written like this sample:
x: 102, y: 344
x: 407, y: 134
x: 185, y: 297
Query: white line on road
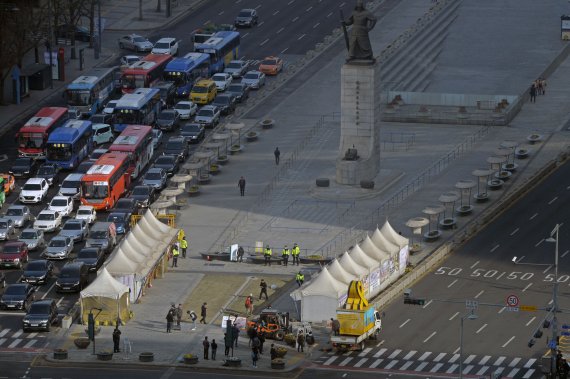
x: 431, y: 335
x: 481, y: 328
x: 261, y: 23
x: 514, y: 231
x: 301, y: 37
x: 474, y: 264
x: 361, y: 362
x: 32, y: 335
x: 309, y: 9
x: 380, y: 343
x: 376, y: 363
x: 533, y: 216
x: 539, y: 242
x: 279, y: 31
x: 284, y: 50
x: 547, y: 269
x: 364, y: 352
x: 15, y: 343
x: 479, y: 294
x: 342, y: 4
x: 48, y: 291
x: 59, y: 301
x: 564, y: 254
x: 553, y: 200
x: 330, y: 360
x: 379, y: 353
x: 275, y: 13
x: 404, y: 323
x: 290, y: 2
x: 439, y: 357
x: 245, y: 35
x: 264, y: 42
x: 426, y: 304
x: 501, y: 310
x: 531, y: 321
x: 259, y: 6
x: 500, y: 276
x: 330, y: 14
x: 316, y: 25
x: 509, y: 341
x: 17, y: 334
x: 436, y: 367
x: 452, y: 283
x: 295, y: 19
x: 29, y: 344
x: 527, y: 287
x: 454, y: 316
x: 4, y: 332
x: 495, y: 248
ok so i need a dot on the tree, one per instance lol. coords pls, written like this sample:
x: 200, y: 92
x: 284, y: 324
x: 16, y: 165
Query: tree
x: 68, y: 13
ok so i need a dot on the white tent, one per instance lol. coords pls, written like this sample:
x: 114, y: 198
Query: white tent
x: 109, y: 295
x: 320, y: 297
x: 362, y: 259
x: 339, y: 273
x: 373, y: 251
x: 393, y: 236
x: 383, y: 243
x: 351, y: 266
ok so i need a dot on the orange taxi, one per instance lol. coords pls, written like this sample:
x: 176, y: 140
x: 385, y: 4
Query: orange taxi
x: 9, y: 183
x: 271, y: 65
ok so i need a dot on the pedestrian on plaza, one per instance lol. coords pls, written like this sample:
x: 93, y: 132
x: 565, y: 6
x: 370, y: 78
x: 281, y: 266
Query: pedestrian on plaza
x: 263, y: 286
x: 249, y: 304
x: 255, y: 342
x: 295, y: 251
x: 116, y: 339
x: 301, y: 342
x: 203, y: 312
x: 254, y: 357
x: 193, y: 317
x: 261, y: 342
x: 543, y: 85
x: 227, y: 345
x: 184, y: 246
x: 241, y: 185
x: 251, y: 333
x: 277, y: 154
x: 539, y: 86
x: 179, y: 313
x: 299, y: 278
x: 335, y: 326
x: 235, y: 334
x: 267, y: 255
x: 285, y: 255
x: 214, y: 346
x: 206, y: 345
x: 175, y: 254
x: 169, y: 321
x: 240, y: 253
x: 532, y: 93
x: 273, y: 352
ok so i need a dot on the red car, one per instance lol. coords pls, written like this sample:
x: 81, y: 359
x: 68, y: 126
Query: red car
x: 14, y: 254
x: 271, y: 65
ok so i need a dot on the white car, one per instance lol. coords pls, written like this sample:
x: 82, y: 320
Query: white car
x: 222, y: 80
x: 128, y: 60
x: 87, y: 213
x: 166, y: 45
x: 62, y: 204
x: 48, y: 221
x: 186, y: 109
x: 34, y: 191
x: 110, y: 106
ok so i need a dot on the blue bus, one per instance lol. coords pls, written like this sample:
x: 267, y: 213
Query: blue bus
x: 88, y: 93
x: 138, y: 108
x: 223, y: 47
x: 184, y: 71
x: 69, y: 144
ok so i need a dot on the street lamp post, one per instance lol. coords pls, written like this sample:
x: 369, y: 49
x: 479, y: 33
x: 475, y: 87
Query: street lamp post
x: 553, y: 346
x: 469, y: 316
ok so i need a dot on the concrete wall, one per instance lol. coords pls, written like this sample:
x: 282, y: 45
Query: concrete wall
x: 448, y: 99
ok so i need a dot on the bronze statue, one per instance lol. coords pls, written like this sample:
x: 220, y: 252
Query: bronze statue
x: 362, y: 22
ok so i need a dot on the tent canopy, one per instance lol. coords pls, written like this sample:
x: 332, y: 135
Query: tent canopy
x: 324, y: 284
x: 393, y: 236
x: 105, y: 285
x: 362, y: 259
x: 339, y: 273
x: 373, y: 251
x: 351, y: 266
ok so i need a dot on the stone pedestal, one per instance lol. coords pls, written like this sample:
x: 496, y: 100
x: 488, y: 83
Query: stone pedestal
x: 360, y: 122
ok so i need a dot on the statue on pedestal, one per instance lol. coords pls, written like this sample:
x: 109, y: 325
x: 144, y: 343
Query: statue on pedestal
x: 362, y: 22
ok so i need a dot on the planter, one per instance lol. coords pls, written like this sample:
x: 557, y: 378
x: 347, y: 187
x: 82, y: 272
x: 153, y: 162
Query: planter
x: 278, y: 364
x: 190, y: 360
x: 281, y: 351
x: 323, y: 182
x: 503, y: 175
x: 232, y: 362
x: 251, y: 136
x: 104, y: 356
x: 522, y: 153
x: 432, y: 236
x: 267, y: 123
x: 367, y: 184
x: 510, y: 167
x: 415, y: 248
x: 60, y: 354
x: 495, y: 184
x: 481, y: 197
x: 447, y: 223
x: 82, y: 342
x: 234, y: 149
x: 534, y: 138
x: 214, y: 169
x: 194, y: 191
x: 204, y: 178
x: 290, y: 339
x: 146, y: 356
x: 315, y: 259
x: 222, y: 159
x: 464, y: 209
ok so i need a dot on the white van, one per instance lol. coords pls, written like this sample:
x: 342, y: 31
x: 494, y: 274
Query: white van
x: 71, y: 186
x: 102, y: 133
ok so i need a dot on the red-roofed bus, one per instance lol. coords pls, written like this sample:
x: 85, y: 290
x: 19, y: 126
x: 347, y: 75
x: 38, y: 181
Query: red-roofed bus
x: 136, y: 141
x: 106, y: 181
x: 33, y: 136
x: 144, y: 73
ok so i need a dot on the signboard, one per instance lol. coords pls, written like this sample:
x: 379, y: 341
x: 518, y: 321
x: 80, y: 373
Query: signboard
x: 528, y: 308
x: 512, y: 309
x: 565, y: 27
x: 512, y: 301
x: 239, y: 321
x: 471, y: 304
x: 233, y: 252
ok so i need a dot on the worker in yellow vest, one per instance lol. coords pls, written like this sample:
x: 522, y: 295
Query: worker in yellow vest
x: 299, y: 278
x: 285, y: 255
x: 295, y: 253
x: 175, y: 254
x: 267, y: 255
x: 184, y: 246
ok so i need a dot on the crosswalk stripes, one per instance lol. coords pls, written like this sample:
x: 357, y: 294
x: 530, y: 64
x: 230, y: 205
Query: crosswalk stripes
x: 433, y: 362
x: 17, y: 339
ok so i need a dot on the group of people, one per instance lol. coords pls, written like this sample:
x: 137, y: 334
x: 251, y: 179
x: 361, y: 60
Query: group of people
x: 175, y: 313
x: 538, y: 87
x: 181, y: 245
x: 294, y: 252
x: 256, y: 341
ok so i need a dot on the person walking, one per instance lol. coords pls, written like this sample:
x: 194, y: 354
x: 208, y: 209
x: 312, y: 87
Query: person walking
x: 263, y: 286
x: 214, y: 346
x: 235, y: 335
x: 178, y: 315
x: 295, y: 251
x: 267, y: 255
x: 203, y: 312
x: 184, y: 246
x: 227, y: 345
x: 532, y: 93
x: 241, y: 185
x: 277, y: 154
x: 285, y: 255
x: 335, y: 326
x: 169, y: 321
x: 273, y: 352
x: 254, y: 357
x: 206, y: 345
x: 300, y: 342
x: 116, y: 340
x: 249, y: 305
x: 261, y: 342
x: 175, y: 254
x: 299, y: 278
x: 240, y: 253
x: 193, y: 317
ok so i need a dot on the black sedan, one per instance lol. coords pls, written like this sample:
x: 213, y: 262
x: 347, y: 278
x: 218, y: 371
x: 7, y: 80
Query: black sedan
x: 48, y: 171
x: 84, y: 166
x: 239, y: 90
x: 168, y: 120
x: 92, y: 257
x: 126, y: 205
x: 144, y: 195
x: 194, y: 133
x: 17, y: 296
x: 37, y: 272
x: 226, y: 103
x: 176, y: 146
x: 121, y: 221
x: 168, y: 163
x: 23, y: 167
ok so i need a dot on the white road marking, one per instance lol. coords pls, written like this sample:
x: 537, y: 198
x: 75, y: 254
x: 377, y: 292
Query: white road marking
x: 533, y: 216
x: 380, y: 343
x: 474, y: 264
x: 456, y: 351
x: 539, y: 242
x: 301, y: 37
x: 59, y: 301
x: 499, y: 361
x: 469, y: 359
x: 410, y: 355
x: 495, y: 248
x: 264, y: 42
x: 342, y: 4
x: 452, y: 317
x: 529, y: 363
x: 330, y: 360
x: 531, y: 320
x: 379, y: 353
x: 514, y: 363
x: 261, y: 23
x: 48, y: 291
x: 404, y: 323
x: 553, y: 200
x: 376, y: 363
x: 481, y: 328
x: 501, y: 310
x: 528, y: 374
x: 484, y: 359
x: 32, y: 335
x: 514, y: 231
x: 451, y: 369
x: 316, y: 25
x: 364, y: 352
x: 17, y: 334
x: 500, y: 276
x: 284, y: 50
x: 30, y: 344
x: 513, y: 373
x: 259, y: 6
x: 391, y: 364
x: 421, y: 366
x: 406, y: 365
x: 275, y: 13
x: 279, y: 31
x: 361, y: 362
x: 479, y: 294
x: 436, y: 367
x: 245, y: 35
x: 431, y: 335
x: 4, y: 332
x: 527, y: 287
x: 467, y: 369
x: 308, y: 9
x: 221, y: 13
x: 508, y: 342
x: 426, y: 304
x: 330, y: 14
x: 395, y: 354
x: 290, y: 2
x: 482, y: 371
x: 439, y: 357
x: 345, y: 362
x: 295, y: 19
x: 452, y: 283
x: 547, y: 269
x: 550, y: 302
x: 15, y: 343
x: 564, y: 254
x: 424, y: 356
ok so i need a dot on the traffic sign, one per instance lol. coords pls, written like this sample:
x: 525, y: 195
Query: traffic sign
x: 471, y: 304
x: 567, y: 334
x: 512, y: 309
x: 528, y: 308
x: 565, y: 326
x: 512, y: 301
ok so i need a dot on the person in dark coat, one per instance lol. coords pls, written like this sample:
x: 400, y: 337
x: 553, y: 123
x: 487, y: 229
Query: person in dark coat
x: 277, y: 154
x: 214, y: 346
x: 532, y: 93
x: 116, y: 339
x: 206, y: 345
x: 241, y: 185
x: 273, y: 352
x: 235, y: 334
x: 240, y: 253
x: 227, y: 345
x: 178, y: 314
x: 203, y: 313
x: 169, y: 321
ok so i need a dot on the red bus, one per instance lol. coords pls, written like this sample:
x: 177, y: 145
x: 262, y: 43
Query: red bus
x: 136, y: 141
x: 144, y: 73
x: 106, y: 181
x: 33, y: 136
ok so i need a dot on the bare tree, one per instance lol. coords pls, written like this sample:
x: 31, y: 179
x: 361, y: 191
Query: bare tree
x: 68, y: 13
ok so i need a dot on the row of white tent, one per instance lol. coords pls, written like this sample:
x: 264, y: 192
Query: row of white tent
x: 140, y: 256
x: 377, y: 261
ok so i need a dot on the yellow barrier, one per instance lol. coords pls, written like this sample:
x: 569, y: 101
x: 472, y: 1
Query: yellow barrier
x: 170, y: 219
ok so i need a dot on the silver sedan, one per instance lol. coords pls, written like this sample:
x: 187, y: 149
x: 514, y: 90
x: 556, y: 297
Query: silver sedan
x: 7, y: 228
x: 254, y: 79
